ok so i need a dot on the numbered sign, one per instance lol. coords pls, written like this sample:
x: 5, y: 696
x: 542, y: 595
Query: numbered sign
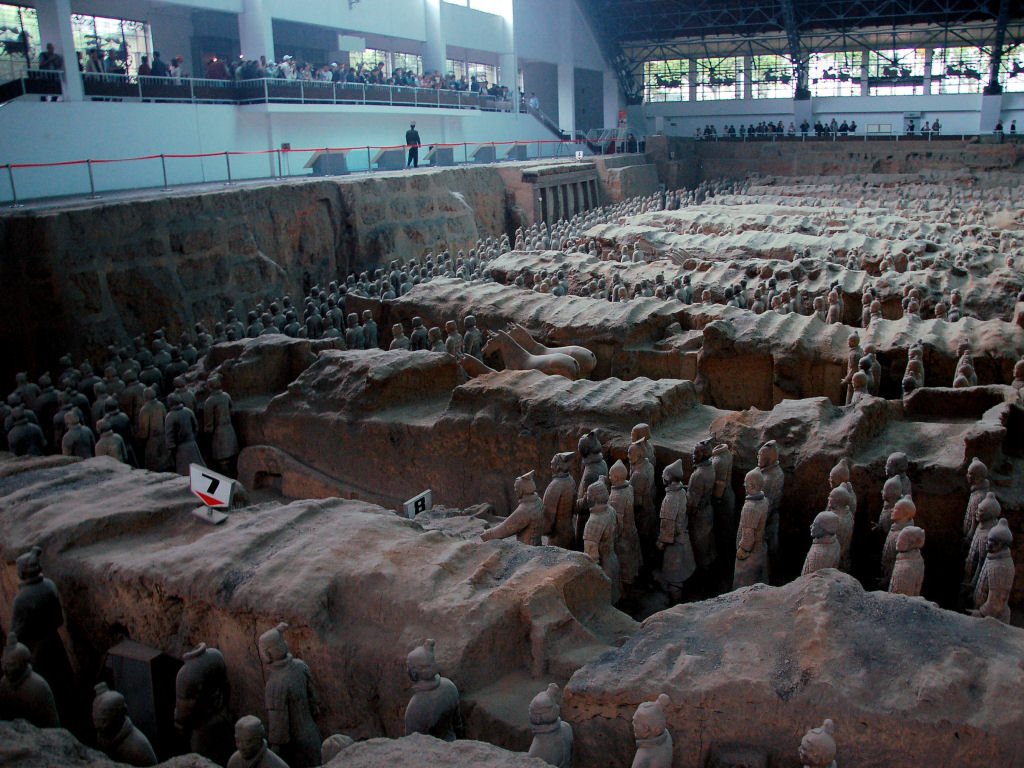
x: 213, y: 489
x: 417, y: 504
x: 579, y: 156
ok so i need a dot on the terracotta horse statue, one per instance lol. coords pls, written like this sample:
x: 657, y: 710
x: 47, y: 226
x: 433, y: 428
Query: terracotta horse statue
x: 518, y: 359
x: 583, y: 356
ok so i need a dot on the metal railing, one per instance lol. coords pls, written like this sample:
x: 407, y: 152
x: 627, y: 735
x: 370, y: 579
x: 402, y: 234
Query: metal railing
x: 165, y: 171
x: 201, y: 90
x: 37, y: 82
x: 860, y: 137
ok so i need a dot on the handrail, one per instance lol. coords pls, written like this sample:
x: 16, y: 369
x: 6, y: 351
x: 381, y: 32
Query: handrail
x: 278, y: 162
x: 267, y: 90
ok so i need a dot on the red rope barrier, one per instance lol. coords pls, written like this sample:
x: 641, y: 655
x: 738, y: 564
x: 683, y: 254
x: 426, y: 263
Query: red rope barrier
x: 235, y: 153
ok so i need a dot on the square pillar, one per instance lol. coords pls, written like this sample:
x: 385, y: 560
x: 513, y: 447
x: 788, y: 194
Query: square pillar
x: 256, y: 31
x: 566, y: 98
x: 611, y: 99
x: 435, y: 47
x: 55, y: 27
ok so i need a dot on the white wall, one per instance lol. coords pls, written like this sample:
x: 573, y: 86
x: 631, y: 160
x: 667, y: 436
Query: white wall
x: 467, y: 28
x: 958, y: 113
x: 38, y: 132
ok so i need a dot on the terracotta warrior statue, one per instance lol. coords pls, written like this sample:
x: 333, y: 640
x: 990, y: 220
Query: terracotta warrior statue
x: 768, y: 463
x: 892, y: 491
x: 599, y: 534
x: 291, y: 702
x: 453, y: 339
x: 115, y: 734
x: 896, y: 466
x: 903, y: 512
x: 526, y: 519
x: 908, y: 572
x: 678, y: 564
x: 977, y: 476
x: 552, y: 736
x: 824, y: 551
x: 398, y: 338
x: 36, y: 618
x: 698, y: 495
x: 839, y: 475
x: 723, y: 498
x: 627, y: 541
x: 989, y: 512
x: 434, y: 706
x: 839, y: 502
x: 818, y: 747
x: 559, y: 500
x: 217, y: 424
x: 992, y: 595
x: 418, y: 339
x: 594, y: 466
x: 853, y: 357
x: 180, y: 429
x: 641, y: 478
x: 251, y: 743
x: 369, y: 330
x: 653, y: 741
x: 472, y: 339
x: 751, y: 551
x: 201, y: 703
x: 23, y: 693
x: 149, y: 432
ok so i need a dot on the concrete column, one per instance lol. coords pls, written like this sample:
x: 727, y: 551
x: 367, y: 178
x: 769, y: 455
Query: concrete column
x: 55, y: 27
x: 256, y: 31
x: 507, y: 74
x: 748, y: 79
x: 435, y: 48
x: 566, y: 98
x: 611, y: 99
x: 928, y: 53
x: 991, y: 109
x: 508, y: 61
x: 865, y: 86
x: 692, y: 78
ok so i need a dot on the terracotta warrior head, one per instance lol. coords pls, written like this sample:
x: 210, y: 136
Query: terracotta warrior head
x: 673, y: 473
x: 618, y: 474
x: 1000, y: 537
x: 597, y: 493
x: 545, y: 708
x: 420, y: 663
x: 910, y: 538
x: 639, y: 432
x: 768, y: 454
x: 525, y: 485
x: 753, y: 482
x: 637, y: 452
x: 977, y: 471
x: 825, y: 524
x: 839, y: 498
x: 896, y: 464
x: 649, y: 718
x: 818, y: 746
x: 108, y: 711
x: 272, y: 644
x: 28, y: 564
x: 903, y: 510
x: 16, y: 659
x: 250, y: 736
